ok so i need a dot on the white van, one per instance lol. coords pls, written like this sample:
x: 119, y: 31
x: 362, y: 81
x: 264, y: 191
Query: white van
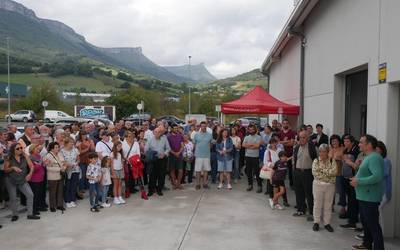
x: 53, y: 115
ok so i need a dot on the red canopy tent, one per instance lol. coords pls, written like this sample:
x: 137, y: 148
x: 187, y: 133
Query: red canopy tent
x: 258, y: 101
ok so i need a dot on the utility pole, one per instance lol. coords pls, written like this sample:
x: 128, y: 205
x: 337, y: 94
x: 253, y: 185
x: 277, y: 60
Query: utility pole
x: 190, y: 101
x: 8, y: 78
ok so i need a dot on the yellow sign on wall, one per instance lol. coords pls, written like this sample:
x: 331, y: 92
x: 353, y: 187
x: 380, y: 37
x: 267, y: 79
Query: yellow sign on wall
x: 382, y: 72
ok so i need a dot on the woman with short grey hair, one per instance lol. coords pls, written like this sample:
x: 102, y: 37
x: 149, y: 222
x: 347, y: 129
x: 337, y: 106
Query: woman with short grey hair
x: 324, y: 170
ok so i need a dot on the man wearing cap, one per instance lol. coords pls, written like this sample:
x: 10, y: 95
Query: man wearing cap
x: 104, y: 147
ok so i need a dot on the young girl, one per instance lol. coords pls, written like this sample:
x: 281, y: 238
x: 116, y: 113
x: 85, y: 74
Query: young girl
x: 93, y: 175
x: 117, y: 172
x: 105, y: 179
x: 188, y: 157
x: 278, y: 179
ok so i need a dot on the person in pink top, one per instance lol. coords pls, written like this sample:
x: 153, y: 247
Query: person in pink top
x: 37, y: 181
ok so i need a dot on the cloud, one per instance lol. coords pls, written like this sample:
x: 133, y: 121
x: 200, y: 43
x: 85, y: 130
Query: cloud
x: 229, y: 36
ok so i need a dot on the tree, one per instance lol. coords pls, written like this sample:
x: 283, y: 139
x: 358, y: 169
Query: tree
x: 39, y: 93
x: 126, y: 101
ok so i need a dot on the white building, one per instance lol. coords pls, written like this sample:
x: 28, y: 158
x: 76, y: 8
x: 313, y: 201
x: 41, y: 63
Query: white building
x: 327, y: 59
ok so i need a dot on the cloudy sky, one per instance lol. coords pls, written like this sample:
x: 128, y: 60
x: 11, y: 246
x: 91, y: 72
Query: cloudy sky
x: 229, y: 36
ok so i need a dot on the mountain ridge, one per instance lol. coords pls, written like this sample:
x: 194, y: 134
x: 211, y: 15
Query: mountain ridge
x: 44, y: 39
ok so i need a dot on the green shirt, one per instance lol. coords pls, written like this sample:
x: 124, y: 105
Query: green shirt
x: 369, y: 177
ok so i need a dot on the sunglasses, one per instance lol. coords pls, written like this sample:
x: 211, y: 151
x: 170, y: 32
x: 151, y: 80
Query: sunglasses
x: 18, y: 148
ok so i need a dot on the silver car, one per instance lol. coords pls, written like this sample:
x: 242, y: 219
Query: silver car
x: 21, y: 116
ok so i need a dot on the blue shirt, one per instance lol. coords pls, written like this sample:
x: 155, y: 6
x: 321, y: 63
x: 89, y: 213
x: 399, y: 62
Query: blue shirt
x: 202, y: 142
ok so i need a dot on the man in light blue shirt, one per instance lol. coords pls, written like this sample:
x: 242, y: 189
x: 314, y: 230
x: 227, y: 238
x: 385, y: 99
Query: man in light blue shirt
x: 202, y: 141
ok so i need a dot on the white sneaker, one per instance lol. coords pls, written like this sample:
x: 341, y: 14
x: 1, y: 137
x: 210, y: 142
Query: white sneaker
x: 122, y: 201
x: 271, y: 203
x: 106, y: 204
x: 73, y: 204
x: 69, y: 205
x: 229, y: 186
x: 279, y: 207
x: 220, y: 186
x: 116, y: 201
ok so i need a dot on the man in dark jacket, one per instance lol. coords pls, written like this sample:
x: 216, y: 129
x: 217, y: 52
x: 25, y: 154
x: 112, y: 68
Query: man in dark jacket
x: 303, y: 155
x: 319, y: 138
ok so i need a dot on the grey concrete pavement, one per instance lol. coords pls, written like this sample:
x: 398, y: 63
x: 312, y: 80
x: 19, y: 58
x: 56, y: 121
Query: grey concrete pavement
x: 188, y: 219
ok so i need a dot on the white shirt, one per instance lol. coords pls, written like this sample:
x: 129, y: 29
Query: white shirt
x: 103, y: 149
x: 18, y: 135
x: 117, y: 162
x: 106, y: 177
x: 148, y: 134
x: 270, y: 161
x: 134, y: 151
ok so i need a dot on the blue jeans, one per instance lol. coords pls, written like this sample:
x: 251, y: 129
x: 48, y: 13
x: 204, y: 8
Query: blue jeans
x: 104, y: 193
x: 71, y: 187
x: 83, y: 182
x: 94, y: 193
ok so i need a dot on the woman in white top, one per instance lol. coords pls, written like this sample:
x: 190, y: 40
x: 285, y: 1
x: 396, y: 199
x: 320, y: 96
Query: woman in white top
x: 271, y: 156
x: 117, y: 172
x: 130, y: 147
x: 71, y: 156
x: 237, y: 142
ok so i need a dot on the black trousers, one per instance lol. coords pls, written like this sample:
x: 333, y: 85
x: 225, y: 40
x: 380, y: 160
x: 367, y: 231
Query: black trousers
x: 157, y: 175
x: 290, y: 171
x: 369, y: 212
x: 303, y: 181
x: 253, y: 168
x: 39, y: 195
x: 352, y: 202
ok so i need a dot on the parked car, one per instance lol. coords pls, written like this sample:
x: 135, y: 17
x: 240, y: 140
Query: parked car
x: 102, y: 120
x: 69, y: 121
x: 133, y: 117
x: 53, y: 115
x: 171, y: 119
x: 22, y: 116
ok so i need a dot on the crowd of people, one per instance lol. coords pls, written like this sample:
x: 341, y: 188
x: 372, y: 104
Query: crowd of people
x: 50, y: 168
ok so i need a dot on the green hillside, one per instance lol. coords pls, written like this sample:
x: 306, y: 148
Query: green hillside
x: 235, y: 85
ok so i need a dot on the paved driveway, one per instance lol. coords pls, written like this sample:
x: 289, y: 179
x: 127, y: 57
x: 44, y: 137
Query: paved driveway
x: 188, y: 219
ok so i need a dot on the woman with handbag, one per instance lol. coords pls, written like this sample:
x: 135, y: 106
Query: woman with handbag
x: 224, y: 148
x: 19, y: 169
x: 55, y: 170
x: 271, y: 156
x: 130, y: 147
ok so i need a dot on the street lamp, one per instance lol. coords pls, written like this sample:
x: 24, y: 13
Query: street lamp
x: 8, y: 79
x: 190, y: 101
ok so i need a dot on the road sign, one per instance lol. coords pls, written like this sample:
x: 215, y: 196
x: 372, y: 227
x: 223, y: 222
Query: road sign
x: 45, y: 104
x: 139, y: 106
x: 217, y: 108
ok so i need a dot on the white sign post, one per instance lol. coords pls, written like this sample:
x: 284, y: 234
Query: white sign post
x: 140, y: 108
x: 44, y: 104
x: 218, y: 110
